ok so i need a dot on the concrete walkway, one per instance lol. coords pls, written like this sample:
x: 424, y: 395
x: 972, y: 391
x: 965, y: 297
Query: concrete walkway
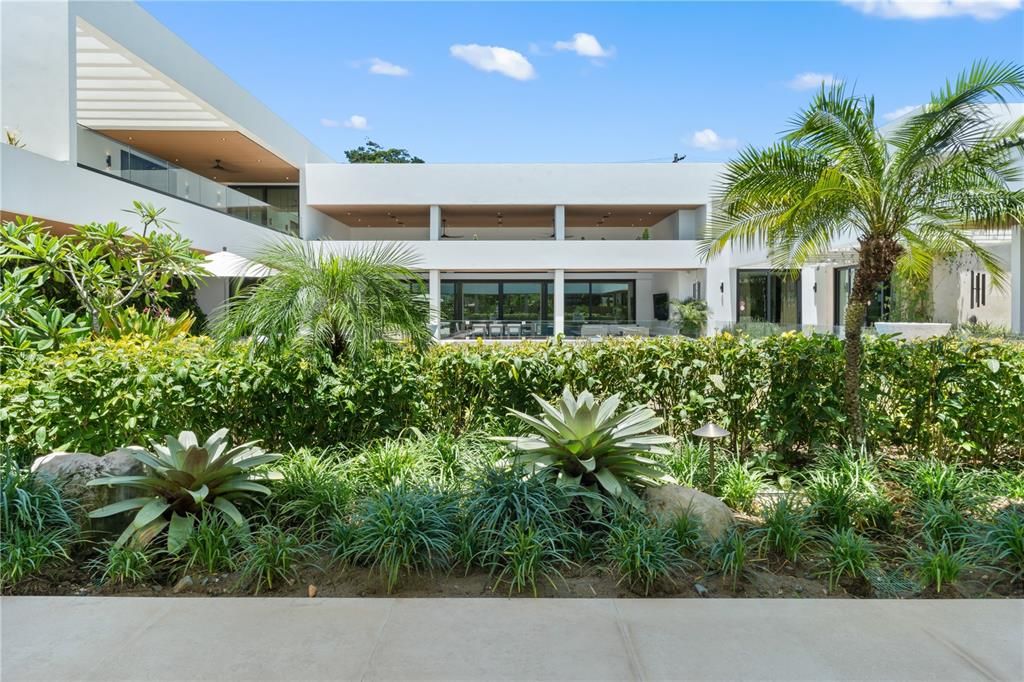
x: 91, y: 638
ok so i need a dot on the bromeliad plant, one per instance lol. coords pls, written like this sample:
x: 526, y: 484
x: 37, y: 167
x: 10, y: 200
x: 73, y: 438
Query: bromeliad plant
x: 186, y: 480
x: 582, y: 442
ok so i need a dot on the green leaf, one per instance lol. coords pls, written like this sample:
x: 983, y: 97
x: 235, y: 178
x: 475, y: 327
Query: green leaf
x: 150, y: 512
x: 122, y: 506
x: 178, y: 532
x: 230, y: 510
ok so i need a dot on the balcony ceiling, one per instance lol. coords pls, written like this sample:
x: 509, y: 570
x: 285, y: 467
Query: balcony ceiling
x: 500, y: 216
x: 116, y: 89
x: 241, y: 159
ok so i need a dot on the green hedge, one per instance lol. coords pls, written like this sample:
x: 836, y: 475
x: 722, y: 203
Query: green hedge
x: 949, y: 396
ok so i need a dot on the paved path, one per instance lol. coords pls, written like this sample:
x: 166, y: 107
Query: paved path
x: 91, y: 638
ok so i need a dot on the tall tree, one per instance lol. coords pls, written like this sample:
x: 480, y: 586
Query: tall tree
x: 316, y: 301
x: 371, y: 152
x: 907, y: 196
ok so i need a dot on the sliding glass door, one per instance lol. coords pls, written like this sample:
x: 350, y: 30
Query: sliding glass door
x: 767, y: 296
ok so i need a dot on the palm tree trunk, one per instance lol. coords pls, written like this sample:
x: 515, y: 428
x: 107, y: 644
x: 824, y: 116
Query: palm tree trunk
x: 877, y: 257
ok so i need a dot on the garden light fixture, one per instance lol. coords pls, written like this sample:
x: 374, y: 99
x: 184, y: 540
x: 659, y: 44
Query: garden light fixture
x: 711, y: 432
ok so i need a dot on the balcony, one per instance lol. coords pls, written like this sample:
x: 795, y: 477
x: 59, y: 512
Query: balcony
x: 105, y: 155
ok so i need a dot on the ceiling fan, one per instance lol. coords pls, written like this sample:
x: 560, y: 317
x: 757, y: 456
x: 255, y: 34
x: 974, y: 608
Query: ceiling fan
x: 444, y: 231
x: 218, y: 167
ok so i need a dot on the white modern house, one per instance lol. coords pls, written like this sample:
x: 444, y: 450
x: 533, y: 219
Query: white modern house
x: 108, y: 106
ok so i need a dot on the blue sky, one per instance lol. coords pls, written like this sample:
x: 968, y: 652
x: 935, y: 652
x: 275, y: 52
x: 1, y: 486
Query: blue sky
x: 581, y: 82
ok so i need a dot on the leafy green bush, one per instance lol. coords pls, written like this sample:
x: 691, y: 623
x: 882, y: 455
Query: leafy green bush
x: 185, y: 480
x: 402, y: 529
x: 584, y: 443
x: 951, y: 398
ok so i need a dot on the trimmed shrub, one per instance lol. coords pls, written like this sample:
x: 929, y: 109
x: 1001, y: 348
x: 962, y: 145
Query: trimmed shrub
x: 954, y: 398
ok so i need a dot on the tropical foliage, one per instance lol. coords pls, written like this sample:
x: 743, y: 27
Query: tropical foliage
x: 585, y: 443
x: 186, y: 480
x: 907, y: 194
x: 103, y: 267
x: 318, y: 302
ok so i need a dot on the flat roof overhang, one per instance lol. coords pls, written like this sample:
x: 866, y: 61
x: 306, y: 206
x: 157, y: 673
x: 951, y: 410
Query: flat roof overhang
x: 502, y: 216
x: 509, y: 185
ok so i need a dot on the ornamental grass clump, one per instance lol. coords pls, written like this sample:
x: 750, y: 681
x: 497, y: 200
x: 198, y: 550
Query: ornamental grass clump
x: 728, y: 554
x: 848, y: 555
x: 36, y: 523
x: 272, y: 555
x: 643, y: 553
x: 739, y: 484
x: 580, y: 442
x: 937, y: 563
x: 524, y: 553
x: 785, y: 528
x: 185, y: 481
x: 402, y: 529
x: 1004, y: 541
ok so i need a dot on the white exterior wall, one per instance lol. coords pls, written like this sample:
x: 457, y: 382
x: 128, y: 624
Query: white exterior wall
x: 36, y: 72
x: 625, y: 184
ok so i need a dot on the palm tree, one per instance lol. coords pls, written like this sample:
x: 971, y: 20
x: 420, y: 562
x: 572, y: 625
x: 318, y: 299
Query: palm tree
x: 907, y: 195
x: 317, y: 301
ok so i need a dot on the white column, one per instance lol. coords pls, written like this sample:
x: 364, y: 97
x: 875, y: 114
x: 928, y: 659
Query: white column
x: 435, y: 223
x: 809, y: 297
x: 686, y: 223
x: 1017, y: 281
x: 434, y: 294
x: 720, y: 296
x: 559, y: 223
x: 559, y: 302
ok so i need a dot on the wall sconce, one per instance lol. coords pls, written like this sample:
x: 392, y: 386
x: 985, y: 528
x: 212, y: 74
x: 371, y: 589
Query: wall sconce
x: 721, y: 287
x: 815, y: 287
x: 110, y: 162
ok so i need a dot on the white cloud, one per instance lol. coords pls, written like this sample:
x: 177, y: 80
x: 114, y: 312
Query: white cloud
x: 935, y: 9
x: 709, y: 140
x: 899, y: 113
x: 356, y: 121
x: 811, y: 80
x: 585, y: 45
x: 498, y: 59
x: 385, y: 68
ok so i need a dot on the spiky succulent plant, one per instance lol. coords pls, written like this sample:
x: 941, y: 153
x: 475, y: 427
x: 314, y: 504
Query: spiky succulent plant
x: 183, y: 481
x: 582, y: 442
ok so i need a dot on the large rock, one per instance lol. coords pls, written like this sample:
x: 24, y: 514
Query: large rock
x: 70, y: 471
x: 670, y: 501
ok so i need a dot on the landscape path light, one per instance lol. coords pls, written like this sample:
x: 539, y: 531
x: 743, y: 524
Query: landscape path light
x: 711, y: 432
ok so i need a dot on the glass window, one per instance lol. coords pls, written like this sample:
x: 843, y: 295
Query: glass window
x: 611, y: 301
x: 521, y: 300
x: 480, y: 300
x: 577, y: 301
x: 878, y: 308
x: 448, y: 306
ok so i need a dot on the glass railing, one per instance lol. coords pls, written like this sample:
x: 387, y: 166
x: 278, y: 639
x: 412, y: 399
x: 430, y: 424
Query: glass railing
x: 107, y: 155
x: 469, y: 330
x: 496, y: 329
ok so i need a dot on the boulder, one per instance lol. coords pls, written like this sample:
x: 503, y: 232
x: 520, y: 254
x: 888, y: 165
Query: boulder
x: 70, y: 471
x: 670, y: 501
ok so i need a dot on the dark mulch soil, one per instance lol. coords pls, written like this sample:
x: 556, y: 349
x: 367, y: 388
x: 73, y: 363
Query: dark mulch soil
x: 763, y: 581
